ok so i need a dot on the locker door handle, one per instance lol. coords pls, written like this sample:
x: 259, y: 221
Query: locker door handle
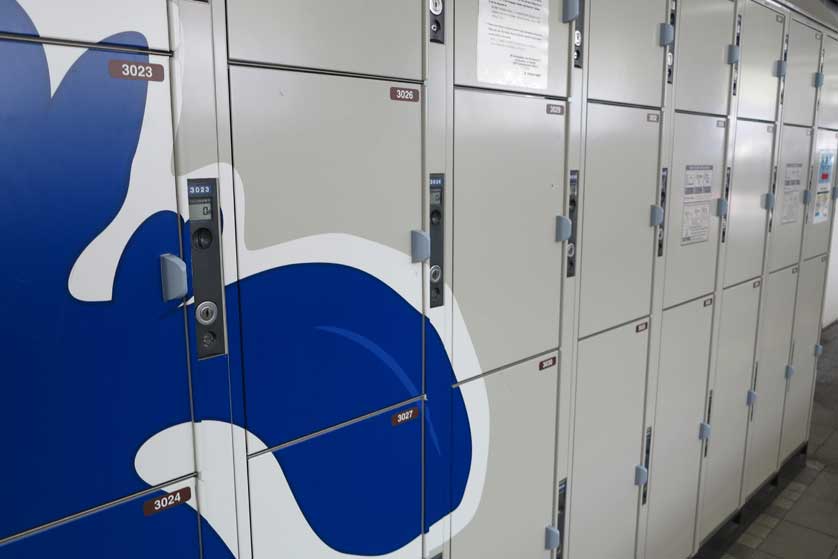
x: 722, y: 208
x: 656, y: 216
x: 819, y: 80
x: 564, y: 229
x: 420, y: 246
x: 789, y: 371
x: 552, y: 538
x: 807, y: 197
x: 782, y: 65
x: 834, y: 192
x: 173, y: 277
x: 768, y: 200
x: 570, y: 10
x: 667, y: 36
x: 818, y: 350
x: 733, y: 52
x: 752, y: 398
x: 704, y: 431
x: 641, y: 476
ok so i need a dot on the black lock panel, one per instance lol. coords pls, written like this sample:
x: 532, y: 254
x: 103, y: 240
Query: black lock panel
x: 437, y: 219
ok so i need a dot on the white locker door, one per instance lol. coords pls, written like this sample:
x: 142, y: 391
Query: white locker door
x: 723, y: 464
x: 751, y: 182
x: 762, y: 49
x: 610, y: 390
x: 618, y: 193
x: 803, y: 61
x: 483, y: 59
x: 786, y: 225
x: 509, y: 189
x: 821, y: 205
x: 516, y: 498
x: 625, y: 56
x: 676, y: 447
x: 376, y: 37
x: 692, y: 227
x: 807, y: 328
x: 773, y: 357
x: 702, y: 74
x: 829, y: 91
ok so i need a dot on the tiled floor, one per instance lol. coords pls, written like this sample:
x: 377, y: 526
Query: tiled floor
x: 802, y: 522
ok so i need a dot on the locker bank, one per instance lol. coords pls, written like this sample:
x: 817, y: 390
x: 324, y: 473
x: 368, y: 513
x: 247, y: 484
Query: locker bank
x: 409, y: 279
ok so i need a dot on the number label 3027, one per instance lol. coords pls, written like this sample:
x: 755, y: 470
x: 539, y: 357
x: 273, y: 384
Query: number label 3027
x: 167, y: 501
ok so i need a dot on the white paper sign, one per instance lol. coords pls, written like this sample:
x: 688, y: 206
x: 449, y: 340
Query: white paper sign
x: 513, y: 42
x: 698, y: 196
x: 791, y: 193
x: 823, y: 196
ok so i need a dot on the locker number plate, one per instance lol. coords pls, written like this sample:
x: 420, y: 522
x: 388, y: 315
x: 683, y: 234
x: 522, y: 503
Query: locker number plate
x: 166, y: 502
x: 402, y: 94
x: 405, y: 416
x: 128, y: 70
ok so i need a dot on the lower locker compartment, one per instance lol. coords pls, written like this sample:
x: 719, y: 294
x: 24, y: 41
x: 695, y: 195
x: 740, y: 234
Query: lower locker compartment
x: 509, y: 498
x: 607, y: 443
x: 161, y: 524
x: 676, y: 447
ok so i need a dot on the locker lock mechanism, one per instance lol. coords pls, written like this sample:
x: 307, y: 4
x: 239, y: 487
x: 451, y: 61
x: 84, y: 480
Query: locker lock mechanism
x: 206, y: 313
x: 437, y: 21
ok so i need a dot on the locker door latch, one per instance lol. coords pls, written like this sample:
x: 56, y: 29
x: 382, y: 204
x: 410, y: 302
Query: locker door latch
x: 552, y: 538
x: 768, y: 201
x: 667, y: 34
x: 752, y: 398
x: 733, y: 54
x: 834, y: 192
x: 173, y: 277
x: 818, y: 350
x: 420, y: 246
x: 721, y: 207
x: 641, y: 475
x: 807, y: 197
x: 570, y: 10
x: 656, y: 216
x: 782, y: 66
x: 564, y: 228
x: 789, y: 371
x: 819, y: 80
x: 704, y: 431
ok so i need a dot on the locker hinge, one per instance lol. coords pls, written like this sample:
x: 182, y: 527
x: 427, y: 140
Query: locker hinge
x: 552, y: 538
x: 641, y: 475
x: 782, y: 66
x: 721, y: 207
x: 656, y: 216
x: 819, y: 80
x: 667, y: 34
x: 570, y: 10
x: 752, y: 398
x: 807, y: 197
x: 564, y: 228
x: 733, y: 54
x: 789, y: 371
x: 768, y: 200
x: 420, y: 246
x: 173, y: 277
x: 704, y: 431
x: 818, y: 350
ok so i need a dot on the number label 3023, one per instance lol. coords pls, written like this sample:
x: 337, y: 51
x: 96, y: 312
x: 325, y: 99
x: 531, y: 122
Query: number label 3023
x: 167, y: 501
x: 128, y: 70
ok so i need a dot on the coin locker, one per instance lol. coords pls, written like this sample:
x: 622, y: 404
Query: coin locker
x: 804, y: 54
x: 760, y: 62
x: 821, y: 202
x: 790, y: 184
x: 828, y: 109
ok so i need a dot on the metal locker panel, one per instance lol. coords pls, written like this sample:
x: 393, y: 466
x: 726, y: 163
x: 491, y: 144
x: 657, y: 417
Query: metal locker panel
x: 625, y: 57
x: 517, y: 494
x: 484, y: 56
x: 86, y: 280
x: 507, y: 263
x: 829, y: 90
x: 385, y: 36
x: 773, y: 357
x: 762, y: 49
x: 367, y: 470
x: 618, y: 192
x: 610, y: 391
x: 820, y: 208
x: 692, y: 228
x: 786, y: 228
x: 705, y: 30
x: 330, y: 300
x: 162, y: 523
x: 724, y: 462
x: 676, y: 450
x: 128, y: 23
x: 807, y: 328
x: 803, y: 63
x: 750, y: 183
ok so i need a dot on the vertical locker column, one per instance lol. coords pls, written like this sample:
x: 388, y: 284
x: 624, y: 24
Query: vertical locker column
x: 729, y: 406
x: 790, y: 184
x: 680, y: 432
x: 821, y: 201
x: 804, y: 54
x: 761, y: 62
x: 770, y: 380
x: 828, y: 116
x: 806, y: 349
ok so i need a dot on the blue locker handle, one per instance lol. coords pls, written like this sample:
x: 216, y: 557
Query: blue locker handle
x: 818, y: 350
x: 667, y: 34
x: 641, y: 476
x: 173, y: 277
x: 570, y: 11
x: 552, y: 538
x: 722, y: 207
x: 656, y: 216
x: 733, y: 54
x: 768, y: 201
x: 420, y: 246
x: 564, y: 228
x: 789, y: 371
x: 752, y: 398
x: 819, y: 80
x: 704, y: 431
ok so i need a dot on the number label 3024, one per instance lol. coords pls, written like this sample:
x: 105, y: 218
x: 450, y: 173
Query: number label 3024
x: 167, y: 501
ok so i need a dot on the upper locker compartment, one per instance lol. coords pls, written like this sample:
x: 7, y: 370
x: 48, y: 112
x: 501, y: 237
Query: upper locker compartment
x: 376, y: 37
x: 762, y: 52
x: 786, y: 225
x: 705, y: 28
x: 819, y: 211
x: 829, y: 90
x: 126, y: 23
x: 626, y: 56
x: 803, y: 61
x: 510, y: 191
x: 509, y: 45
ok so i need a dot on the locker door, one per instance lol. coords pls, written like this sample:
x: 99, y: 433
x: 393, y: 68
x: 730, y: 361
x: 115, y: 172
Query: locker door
x: 353, y: 491
x: 692, y: 228
x: 676, y: 450
x: 807, y: 328
x: 773, y: 357
x: 702, y: 82
x: 625, y: 56
x: 786, y: 225
x: 762, y: 49
x: 803, y: 61
x: 751, y: 181
x: 516, y: 500
x: 385, y: 36
x: 724, y: 460
x: 96, y: 359
x: 329, y: 177
x: 509, y: 189
x: 829, y: 91
x: 128, y: 23
x: 619, y: 190
x: 484, y: 56
x: 135, y: 529
x: 610, y: 390
x: 819, y: 211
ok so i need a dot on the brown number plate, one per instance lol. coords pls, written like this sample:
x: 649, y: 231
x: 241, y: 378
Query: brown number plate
x: 127, y: 70
x: 167, y: 501
x: 403, y: 94
x: 405, y: 416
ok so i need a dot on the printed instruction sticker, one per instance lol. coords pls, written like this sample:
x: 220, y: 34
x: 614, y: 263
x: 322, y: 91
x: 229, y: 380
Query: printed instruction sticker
x: 791, y: 192
x: 824, y: 193
x: 513, y: 42
x: 698, y: 201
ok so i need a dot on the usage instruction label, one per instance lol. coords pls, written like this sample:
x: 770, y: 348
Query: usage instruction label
x: 698, y: 202
x: 513, y: 42
x: 791, y: 192
x: 826, y: 162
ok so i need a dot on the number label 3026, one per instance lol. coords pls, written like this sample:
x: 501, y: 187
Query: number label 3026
x: 404, y: 94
